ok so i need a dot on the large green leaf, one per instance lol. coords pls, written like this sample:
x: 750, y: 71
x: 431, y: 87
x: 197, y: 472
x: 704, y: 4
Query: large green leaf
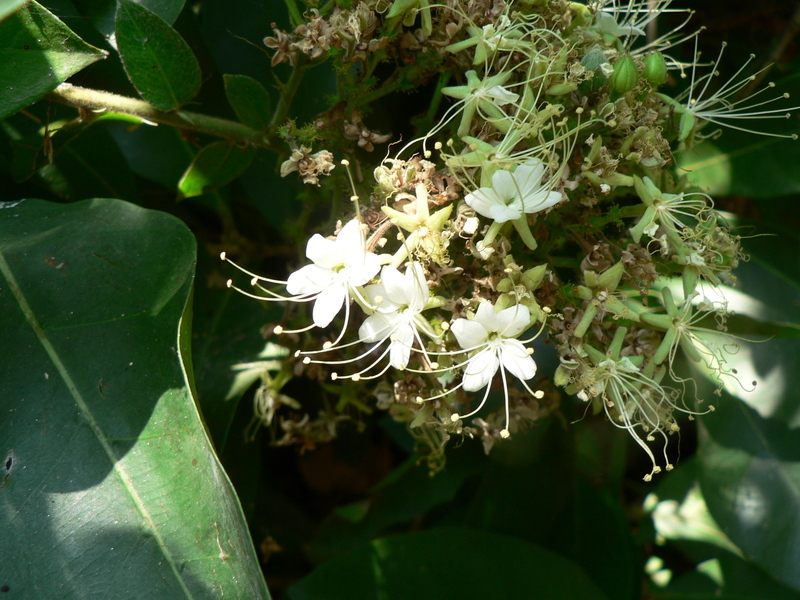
x: 9, y: 7
x: 37, y: 53
x: 750, y: 447
x: 111, y: 484
x: 158, y: 61
x: 445, y: 564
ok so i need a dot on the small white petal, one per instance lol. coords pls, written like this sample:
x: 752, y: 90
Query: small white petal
x: 364, y: 269
x: 512, y: 321
x: 324, y: 252
x: 310, y: 280
x: 486, y: 316
x: 395, y: 285
x: 480, y: 370
x: 416, y: 287
x: 470, y: 334
x: 516, y: 360
x: 328, y: 304
x: 376, y: 327
x: 400, y: 348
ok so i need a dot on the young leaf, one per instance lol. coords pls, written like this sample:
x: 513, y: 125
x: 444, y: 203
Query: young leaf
x: 158, y: 61
x: 112, y: 476
x: 249, y: 100
x: 37, y: 53
x: 215, y: 165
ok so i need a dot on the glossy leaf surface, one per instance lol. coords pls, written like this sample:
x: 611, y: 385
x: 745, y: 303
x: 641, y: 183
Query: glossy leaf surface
x: 110, y: 483
x: 37, y: 53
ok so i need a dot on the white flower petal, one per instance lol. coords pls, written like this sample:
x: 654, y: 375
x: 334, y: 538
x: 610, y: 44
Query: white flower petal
x: 541, y: 201
x: 328, y: 304
x: 483, y: 201
x: 375, y: 328
x: 310, y: 280
x: 516, y: 360
x: 505, y: 186
x: 364, y: 269
x: 400, y: 348
x: 470, y: 334
x: 529, y: 176
x: 486, y: 316
x: 351, y: 241
x: 416, y: 287
x: 512, y: 321
x: 395, y: 285
x: 324, y: 252
x: 480, y: 370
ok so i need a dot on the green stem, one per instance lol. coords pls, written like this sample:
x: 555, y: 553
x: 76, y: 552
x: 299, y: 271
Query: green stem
x: 288, y: 91
x: 96, y: 100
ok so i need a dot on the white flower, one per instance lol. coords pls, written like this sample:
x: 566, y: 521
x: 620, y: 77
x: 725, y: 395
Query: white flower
x: 340, y: 265
x: 514, y: 194
x: 494, y: 335
x: 399, y: 300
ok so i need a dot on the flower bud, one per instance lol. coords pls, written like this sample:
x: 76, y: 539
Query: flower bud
x: 624, y: 78
x: 655, y: 69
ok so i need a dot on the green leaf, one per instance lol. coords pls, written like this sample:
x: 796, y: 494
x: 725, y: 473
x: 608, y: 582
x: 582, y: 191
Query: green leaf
x: 749, y: 452
x: 109, y: 476
x: 447, y: 563
x: 9, y: 7
x: 37, y: 53
x: 249, y: 100
x: 158, y: 61
x: 407, y: 493
x: 215, y: 165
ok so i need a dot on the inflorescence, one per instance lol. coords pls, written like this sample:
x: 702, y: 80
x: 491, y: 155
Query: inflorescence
x: 543, y: 204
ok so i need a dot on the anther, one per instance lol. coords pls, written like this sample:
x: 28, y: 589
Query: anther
x: 345, y: 163
x: 254, y: 281
x: 334, y: 376
x: 326, y: 345
x: 505, y: 434
x: 454, y: 417
x: 229, y: 283
x: 538, y: 394
x: 223, y: 256
x: 277, y: 330
x: 307, y: 360
x: 434, y: 365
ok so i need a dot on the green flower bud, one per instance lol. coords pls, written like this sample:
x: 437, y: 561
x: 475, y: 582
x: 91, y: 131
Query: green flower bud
x: 624, y: 78
x: 655, y: 68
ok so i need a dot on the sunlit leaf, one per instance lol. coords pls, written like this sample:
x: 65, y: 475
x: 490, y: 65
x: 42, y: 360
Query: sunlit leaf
x: 109, y: 477
x: 37, y: 52
x: 215, y: 165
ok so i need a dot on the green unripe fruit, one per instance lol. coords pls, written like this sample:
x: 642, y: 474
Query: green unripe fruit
x: 624, y: 78
x: 655, y: 68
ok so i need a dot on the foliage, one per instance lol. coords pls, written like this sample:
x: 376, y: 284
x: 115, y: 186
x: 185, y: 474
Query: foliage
x: 519, y: 176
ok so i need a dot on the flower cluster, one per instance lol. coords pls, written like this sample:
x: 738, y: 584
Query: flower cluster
x: 543, y: 200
